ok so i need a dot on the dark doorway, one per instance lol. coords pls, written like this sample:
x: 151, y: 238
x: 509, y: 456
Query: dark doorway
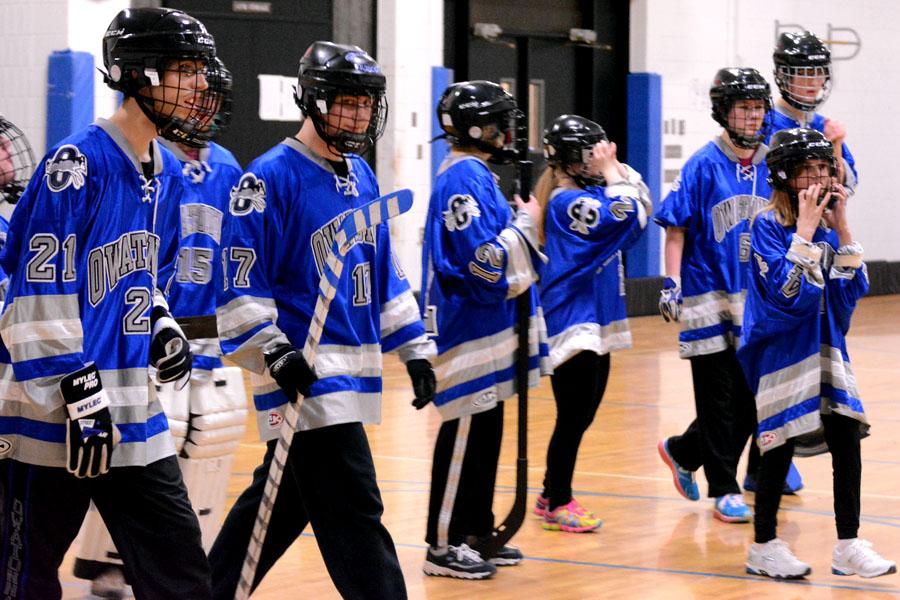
x: 564, y: 78
x: 256, y: 38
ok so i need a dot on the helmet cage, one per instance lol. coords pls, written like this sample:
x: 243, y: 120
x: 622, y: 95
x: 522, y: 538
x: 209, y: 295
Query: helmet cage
x: 784, y: 161
x: 16, y: 162
x: 316, y: 99
x: 723, y: 98
x: 800, y: 83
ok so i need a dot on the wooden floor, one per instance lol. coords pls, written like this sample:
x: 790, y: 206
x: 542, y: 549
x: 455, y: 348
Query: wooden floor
x: 653, y: 543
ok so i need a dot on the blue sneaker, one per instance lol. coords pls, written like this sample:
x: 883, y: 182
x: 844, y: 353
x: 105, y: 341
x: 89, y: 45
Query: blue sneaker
x: 792, y: 484
x: 682, y: 478
x: 731, y: 508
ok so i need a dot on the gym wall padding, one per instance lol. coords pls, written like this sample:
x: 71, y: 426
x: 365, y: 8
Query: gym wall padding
x: 644, y: 91
x: 70, y: 94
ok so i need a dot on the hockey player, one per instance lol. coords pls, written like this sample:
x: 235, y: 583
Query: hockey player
x: 16, y: 161
x: 803, y: 75
x: 706, y: 216
x: 594, y: 207
x: 16, y: 167
x: 282, y: 216
x: 84, y: 317
x: 206, y: 417
x: 477, y: 257
x: 807, y: 274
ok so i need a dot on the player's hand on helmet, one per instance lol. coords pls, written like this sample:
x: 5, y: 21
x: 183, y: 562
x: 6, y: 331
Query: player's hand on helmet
x: 290, y: 371
x: 90, y: 433
x: 670, y: 299
x: 836, y: 216
x: 603, y: 161
x: 532, y: 207
x: 169, y: 349
x: 424, y: 384
x: 810, y: 209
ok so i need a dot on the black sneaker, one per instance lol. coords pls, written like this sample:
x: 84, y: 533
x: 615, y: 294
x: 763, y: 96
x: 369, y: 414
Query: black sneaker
x: 507, y: 556
x: 460, y: 562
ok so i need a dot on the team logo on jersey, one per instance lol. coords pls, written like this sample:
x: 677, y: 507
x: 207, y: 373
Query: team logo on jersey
x: 248, y: 195
x: 763, y: 266
x: 733, y: 211
x: 275, y: 419
x: 196, y: 170
x: 67, y: 167
x: 346, y: 185
x: 767, y: 438
x: 461, y: 209
x: 585, y: 214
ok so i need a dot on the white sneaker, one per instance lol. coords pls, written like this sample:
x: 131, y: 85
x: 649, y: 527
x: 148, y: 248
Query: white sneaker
x: 775, y: 559
x: 110, y: 584
x: 858, y: 558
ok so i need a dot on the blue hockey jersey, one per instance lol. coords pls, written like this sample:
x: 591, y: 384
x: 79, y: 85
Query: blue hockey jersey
x: 83, y: 254
x: 776, y: 120
x: 283, y: 215
x: 582, y: 285
x: 4, y: 276
x: 793, y: 349
x: 713, y: 199
x: 189, y: 286
x: 475, y: 260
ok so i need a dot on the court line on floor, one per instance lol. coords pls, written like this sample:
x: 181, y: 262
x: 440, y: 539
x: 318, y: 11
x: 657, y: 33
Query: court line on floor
x: 508, y: 489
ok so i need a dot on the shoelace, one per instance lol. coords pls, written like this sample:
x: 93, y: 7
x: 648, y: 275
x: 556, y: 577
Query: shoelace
x: 733, y: 501
x: 465, y: 553
x: 863, y: 548
x: 781, y: 551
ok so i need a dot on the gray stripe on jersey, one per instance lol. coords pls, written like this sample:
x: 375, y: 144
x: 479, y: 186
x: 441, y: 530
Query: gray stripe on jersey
x: 324, y: 411
x: 244, y: 313
x: 589, y: 336
x: 43, y: 307
x: 250, y: 354
x: 398, y: 312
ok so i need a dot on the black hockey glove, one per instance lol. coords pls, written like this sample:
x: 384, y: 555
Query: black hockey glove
x: 91, y: 434
x: 422, y: 376
x: 290, y: 371
x: 169, y: 350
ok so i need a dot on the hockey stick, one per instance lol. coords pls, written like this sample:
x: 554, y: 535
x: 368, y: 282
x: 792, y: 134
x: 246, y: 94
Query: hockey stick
x: 369, y: 215
x: 513, y: 521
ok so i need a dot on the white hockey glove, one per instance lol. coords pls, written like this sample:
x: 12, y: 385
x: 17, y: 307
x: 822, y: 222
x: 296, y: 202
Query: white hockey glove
x: 169, y: 349
x: 670, y: 299
x: 91, y: 434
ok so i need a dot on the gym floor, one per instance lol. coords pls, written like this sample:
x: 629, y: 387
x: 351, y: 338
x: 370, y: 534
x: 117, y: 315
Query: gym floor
x: 653, y: 543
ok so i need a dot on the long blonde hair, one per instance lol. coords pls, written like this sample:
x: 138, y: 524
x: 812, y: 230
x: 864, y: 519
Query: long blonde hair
x: 781, y: 204
x: 547, y: 182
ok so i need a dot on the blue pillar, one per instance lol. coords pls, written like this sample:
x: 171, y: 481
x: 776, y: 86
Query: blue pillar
x: 645, y: 156
x: 70, y: 94
x: 441, y: 77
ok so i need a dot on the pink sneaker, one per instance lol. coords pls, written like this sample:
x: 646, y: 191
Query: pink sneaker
x: 540, y: 507
x: 572, y: 517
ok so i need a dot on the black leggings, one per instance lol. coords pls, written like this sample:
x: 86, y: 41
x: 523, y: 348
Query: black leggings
x: 578, y: 386
x: 842, y: 434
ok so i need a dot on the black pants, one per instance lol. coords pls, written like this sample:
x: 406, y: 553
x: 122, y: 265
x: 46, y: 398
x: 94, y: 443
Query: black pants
x: 726, y: 418
x: 578, y: 387
x: 146, y: 510
x: 329, y: 482
x: 471, y: 507
x: 842, y: 435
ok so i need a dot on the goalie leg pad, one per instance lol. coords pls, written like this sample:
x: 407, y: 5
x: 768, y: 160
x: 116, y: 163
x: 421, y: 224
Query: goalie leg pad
x: 96, y: 550
x: 176, y: 404
x: 218, y: 422
x: 206, y: 480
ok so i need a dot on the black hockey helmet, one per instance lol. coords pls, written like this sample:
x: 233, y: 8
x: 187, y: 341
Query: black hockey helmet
x: 802, y: 55
x: 221, y: 84
x: 480, y: 114
x: 568, y: 143
x: 789, y: 148
x: 329, y: 70
x: 138, y: 47
x: 732, y: 84
x: 16, y: 162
